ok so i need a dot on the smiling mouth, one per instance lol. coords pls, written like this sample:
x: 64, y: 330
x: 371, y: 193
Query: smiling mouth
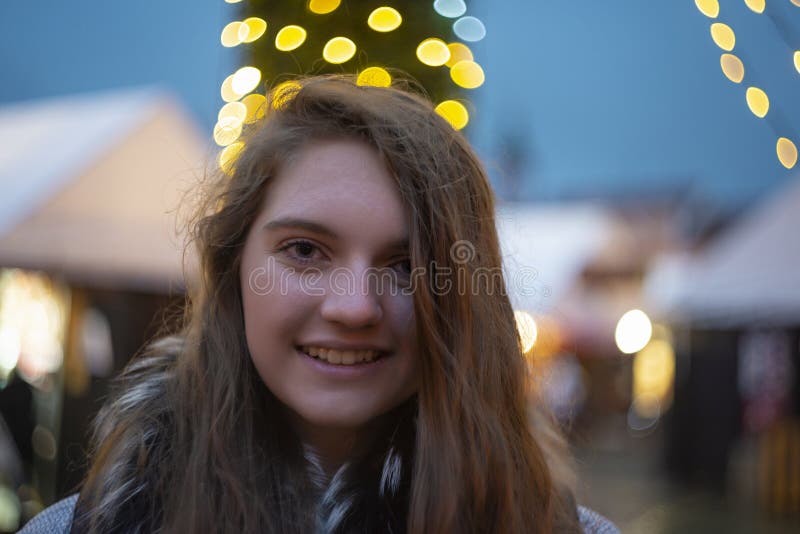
x: 341, y: 357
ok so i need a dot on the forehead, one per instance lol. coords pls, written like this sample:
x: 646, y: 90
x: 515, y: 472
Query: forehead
x: 341, y: 183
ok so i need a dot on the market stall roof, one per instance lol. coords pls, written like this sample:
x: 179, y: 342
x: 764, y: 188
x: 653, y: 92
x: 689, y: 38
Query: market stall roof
x: 546, y: 247
x: 749, y: 275
x: 90, y: 185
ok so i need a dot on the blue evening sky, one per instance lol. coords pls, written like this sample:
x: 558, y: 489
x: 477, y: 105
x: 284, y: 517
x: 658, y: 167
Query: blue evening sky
x: 597, y: 97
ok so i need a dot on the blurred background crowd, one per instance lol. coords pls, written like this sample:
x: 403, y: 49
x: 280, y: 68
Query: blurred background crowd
x: 644, y: 157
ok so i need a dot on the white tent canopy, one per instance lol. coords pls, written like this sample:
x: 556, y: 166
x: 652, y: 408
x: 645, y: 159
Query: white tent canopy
x: 90, y: 185
x: 749, y: 275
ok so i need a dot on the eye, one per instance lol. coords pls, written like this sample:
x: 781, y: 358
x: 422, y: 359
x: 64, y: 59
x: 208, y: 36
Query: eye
x: 403, y: 266
x: 302, y: 251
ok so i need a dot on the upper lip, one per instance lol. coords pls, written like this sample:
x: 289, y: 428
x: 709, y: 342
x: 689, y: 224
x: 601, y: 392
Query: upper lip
x: 342, y: 345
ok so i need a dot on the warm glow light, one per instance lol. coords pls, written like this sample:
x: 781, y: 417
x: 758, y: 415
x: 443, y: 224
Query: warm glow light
x: 433, y: 52
x: 283, y: 93
x: 723, y: 36
x: 450, y: 8
x: 633, y: 332
x: 255, y: 105
x: 323, y: 7
x: 458, y: 52
x: 227, y: 130
x: 290, y: 37
x: 245, y: 80
x: 384, y: 19
x: 234, y: 110
x: 454, y: 112
x: 467, y: 74
x: 732, y: 67
x: 526, y: 326
x: 795, y: 2
x: 227, y: 92
x: 338, y: 50
x: 797, y: 61
x: 233, y: 1
x: 469, y: 29
x: 709, y: 8
x: 787, y: 152
x: 227, y: 156
x: 230, y: 34
x: 251, y: 29
x: 653, y: 377
x: 374, y: 76
x: 756, y: 5
x: 757, y: 101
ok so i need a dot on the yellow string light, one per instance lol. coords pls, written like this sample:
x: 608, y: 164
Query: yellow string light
x: 234, y: 110
x: 433, y: 52
x: 467, y: 74
x: 338, y: 50
x: 723, y: 36
x: 374, y: 76
x: 709, y: 8
x: 458, y: 52
x: 797, y: 61
x: 228, y: 155
x: 453, y: 112
x: 323, y: 7
x: 227, y: 130
x: 757, y: 101
x: 290, y: 37
x: 283, y: 93
x: 230, y: 34
x: 227, y: 92
x: 787, y: 152
x: 757, y: 6
x: 245, y: 80
x: 384, y: 19
x: 255, y: 105
x: 732, y: 67
x: 251, y: 29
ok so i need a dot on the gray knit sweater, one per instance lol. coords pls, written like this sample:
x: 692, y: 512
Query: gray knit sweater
x: 58, y: 518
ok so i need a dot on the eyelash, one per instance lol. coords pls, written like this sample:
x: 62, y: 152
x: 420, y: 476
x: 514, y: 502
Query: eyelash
x: 306, y: 260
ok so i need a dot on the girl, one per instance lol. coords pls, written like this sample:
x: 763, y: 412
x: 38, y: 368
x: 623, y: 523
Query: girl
x: 342, y: 368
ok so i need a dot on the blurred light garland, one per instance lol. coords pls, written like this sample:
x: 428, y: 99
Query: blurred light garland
x: 336, y: 33
x: 732, y: 67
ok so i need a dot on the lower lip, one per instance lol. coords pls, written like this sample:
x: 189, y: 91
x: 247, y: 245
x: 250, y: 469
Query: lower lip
x: 357, y: 370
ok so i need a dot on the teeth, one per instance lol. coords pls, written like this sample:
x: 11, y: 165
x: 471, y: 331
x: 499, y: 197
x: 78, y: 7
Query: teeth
x: 341, y: 357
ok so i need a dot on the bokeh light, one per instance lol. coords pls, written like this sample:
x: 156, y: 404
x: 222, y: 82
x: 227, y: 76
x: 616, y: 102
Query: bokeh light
x: 323, y: 7
x: 290, y: 37
x: 787, y: 152
x: 374, y: 76
x: 709, y: 8
x: 230, y: 34
x: 653, y: 377
x: 227, y: 156
x: 339, y: 50
x: 797, y: 61
x: 757, y: 101
x: 283, y: 93
x: 795, y: 2
x: 454, y: 112
x: 433, y: 52
x: 467, y: 74
x: 526, y: 326
x: 384, y: 19
x: 458, y: 52
x: 723, y: 36
x: 227, y: 92
x: 469, y: 29
x: 450, y: 8
x: 633, y: 331
x: 251, y: 29
x: 255, y: 105
x: 235, y: 110
x: 245, y: 80
x: 227, y: 130
x: 756, y: 5
x: 732, y: 67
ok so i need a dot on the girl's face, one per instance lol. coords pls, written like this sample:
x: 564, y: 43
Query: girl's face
x: 328, y: 326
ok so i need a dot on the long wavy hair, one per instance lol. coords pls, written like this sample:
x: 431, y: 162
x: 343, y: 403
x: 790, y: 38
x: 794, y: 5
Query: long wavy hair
x: 194, y: 442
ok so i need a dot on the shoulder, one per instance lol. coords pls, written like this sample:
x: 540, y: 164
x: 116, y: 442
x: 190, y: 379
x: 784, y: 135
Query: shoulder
x: 55, y: 519
x: 594, y: 523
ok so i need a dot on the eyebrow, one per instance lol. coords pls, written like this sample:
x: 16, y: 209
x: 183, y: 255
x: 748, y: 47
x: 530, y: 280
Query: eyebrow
x: 321, y: 229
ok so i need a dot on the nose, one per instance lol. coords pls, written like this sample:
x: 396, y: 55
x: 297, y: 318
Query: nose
x: 349, y: 300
